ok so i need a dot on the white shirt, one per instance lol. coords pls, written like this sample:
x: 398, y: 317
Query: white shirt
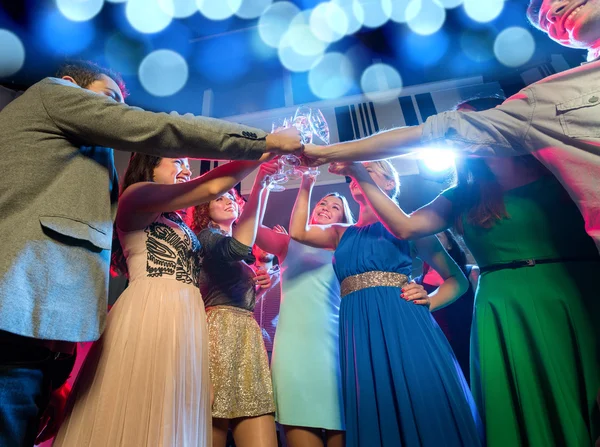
x: 557, y: 120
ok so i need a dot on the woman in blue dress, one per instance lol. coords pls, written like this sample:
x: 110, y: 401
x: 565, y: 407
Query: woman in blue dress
x: 305, y: 364
x: 401, y: 383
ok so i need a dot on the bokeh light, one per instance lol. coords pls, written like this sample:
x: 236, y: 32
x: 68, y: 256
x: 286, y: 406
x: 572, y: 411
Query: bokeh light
x: 299, y: 49
x: 12, y: 53
x: 514, y: 46
x: 331, y: 77
x: 79, y: 10
x: 147, y: 16
x: 483, y: 11
x: 163, y: 73
x: 328, y: 22
x: 377, y: 81
x: 437, y: 160
x: 355, y: 16
x: 178, y: 9
x: 429, y: 18
x: 374, y: 13
x: 449, y: 4
x: 218, y: 9
x: 251, y: 9
x: 293, y: 60
x: 274, y: 22
x: 399, y: 9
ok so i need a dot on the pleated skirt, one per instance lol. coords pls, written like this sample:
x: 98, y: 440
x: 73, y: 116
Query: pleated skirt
x: 401, y: 383
x: 146, y: 381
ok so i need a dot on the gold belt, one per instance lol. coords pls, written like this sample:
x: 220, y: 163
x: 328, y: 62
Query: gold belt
x: 372, y: 279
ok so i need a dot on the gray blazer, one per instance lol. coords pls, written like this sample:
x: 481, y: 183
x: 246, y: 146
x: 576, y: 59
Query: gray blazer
x: 58, y: 195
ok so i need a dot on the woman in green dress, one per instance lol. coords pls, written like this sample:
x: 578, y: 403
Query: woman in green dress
x: 535, y: 349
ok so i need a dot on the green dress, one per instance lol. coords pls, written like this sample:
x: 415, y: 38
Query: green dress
x: 535, y: 357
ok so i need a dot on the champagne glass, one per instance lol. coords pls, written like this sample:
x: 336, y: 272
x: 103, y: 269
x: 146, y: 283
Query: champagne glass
x: 319, y: 126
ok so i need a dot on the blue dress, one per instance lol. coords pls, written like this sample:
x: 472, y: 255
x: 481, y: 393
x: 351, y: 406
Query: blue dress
x: 401, y: 383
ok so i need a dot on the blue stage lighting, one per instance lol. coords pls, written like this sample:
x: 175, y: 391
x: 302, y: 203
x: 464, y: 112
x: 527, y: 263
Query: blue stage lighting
x: 178, y: 9
x: 449, y: 4
x: 514, y: 46
x: 483, y: 11
x: 428, y: 19
x: 331, y: 77
x: 223, y: 59
x: 147, y: 17
x: 478, y: 45
x: 377, y: 81
x: 12, y: 53
x: 79, y: 10
x: 274, y: 22
x: 374, y: 13
x: 124, y: 54
x: 354, y: 16
x: 424, y: 50
x: 328, y: 22
x: 61, y: 36
x: 218, y: 10
x: 163, y: 73
x: 251, y: 9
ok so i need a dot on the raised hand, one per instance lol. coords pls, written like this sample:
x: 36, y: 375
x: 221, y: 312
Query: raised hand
x: 279, y: 229
x: 343, y: 168
x: 314, y: 155
x: 268, y: 168
x: 285, y: 142
x: 262, y: 278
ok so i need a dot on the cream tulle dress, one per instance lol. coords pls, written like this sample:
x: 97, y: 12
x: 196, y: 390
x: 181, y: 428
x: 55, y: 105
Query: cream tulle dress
x: 146, y: 381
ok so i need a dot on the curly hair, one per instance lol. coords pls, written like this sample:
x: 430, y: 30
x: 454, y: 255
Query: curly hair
x: 86, y: 72
x: 200, y: 218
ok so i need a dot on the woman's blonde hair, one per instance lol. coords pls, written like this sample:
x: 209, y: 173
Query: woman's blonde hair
x: 386, y: 169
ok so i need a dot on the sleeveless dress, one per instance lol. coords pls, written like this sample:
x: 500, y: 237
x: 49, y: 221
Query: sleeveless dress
x: 146, y: 381
x: 305, y: 364
x: 535, y: 345
x: 401, y: 383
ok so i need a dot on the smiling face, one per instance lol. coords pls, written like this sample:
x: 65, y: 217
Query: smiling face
x: 172, y: 170
x: 329, y: 210
x: 224, y: 210
x: 572, y: 23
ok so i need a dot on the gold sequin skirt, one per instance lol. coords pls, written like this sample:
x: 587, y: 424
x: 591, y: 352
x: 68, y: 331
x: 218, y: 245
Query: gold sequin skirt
x: 239, y: 366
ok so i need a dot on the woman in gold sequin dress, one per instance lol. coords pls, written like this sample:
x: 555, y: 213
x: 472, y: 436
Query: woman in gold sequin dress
x: 239, y: 367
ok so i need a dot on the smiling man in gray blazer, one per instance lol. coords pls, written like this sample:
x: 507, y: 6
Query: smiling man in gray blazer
x: 58, y: 194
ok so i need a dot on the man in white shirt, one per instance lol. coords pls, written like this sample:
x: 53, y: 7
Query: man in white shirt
x: 557, y: 119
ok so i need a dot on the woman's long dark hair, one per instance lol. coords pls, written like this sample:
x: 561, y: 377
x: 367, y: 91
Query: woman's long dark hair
x: 480, y: 198
x: 140, y: 169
